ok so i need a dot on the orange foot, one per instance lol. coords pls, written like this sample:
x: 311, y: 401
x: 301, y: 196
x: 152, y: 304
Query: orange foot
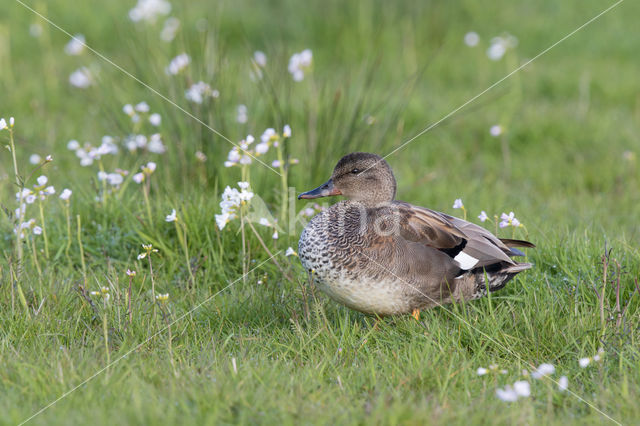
x: 416, y: 314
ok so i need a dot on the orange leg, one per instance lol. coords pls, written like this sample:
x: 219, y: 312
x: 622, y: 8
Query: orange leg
x: 416, y: 314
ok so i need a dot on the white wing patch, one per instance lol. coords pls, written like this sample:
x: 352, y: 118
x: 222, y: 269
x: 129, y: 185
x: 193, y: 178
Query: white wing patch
x: 465, y: 261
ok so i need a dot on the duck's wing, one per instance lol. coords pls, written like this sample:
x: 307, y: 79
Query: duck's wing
x: 469, y: 245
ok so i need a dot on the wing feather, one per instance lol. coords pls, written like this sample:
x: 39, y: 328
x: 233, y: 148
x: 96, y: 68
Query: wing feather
x: 457, y: 237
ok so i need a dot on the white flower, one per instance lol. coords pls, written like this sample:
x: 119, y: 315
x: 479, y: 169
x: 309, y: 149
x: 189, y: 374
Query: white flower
x: 522, y: 388
x: 35, y: 30
x: 496, y: 130
x: 286, y: 131
x: 177, y: 64
x: 260, y: 58
x: 584, y: 362
x: 75, y: 46
x: 496, y: 51
x: 299, y: 63
x: 3, y: 124
x: 222, y: 219
x: 243, y: 185
x: 155, y: 144
x: 131, y: 273
x: 142, y: 107
x: 563, y: 383
x: 264, y: 221
x: 35, y: 159
x: 128, y: 109
x: 114, y: 179
x: 234, y: 155
x: 171, y: 26
x: 149, y: 10
x: 275, y: 163
x: 543, y: 370
x: 199, y: 91
x: 172, y: 217
x: 481, y: 371
x: 241, y: 115
x: 290, y: 252
x: 155, y: 119
x: 508, y: 394
x: 66, y: 193
x: 151, y: 166
x: 37, y: 230
x: 499, y: 46
x: 471, y: 39
x: 483, y: 216
x: 48, y: 158
x: 106, y: 147
x: 138, y: 177
x: 457, y: 204
x: 269, y: 135
x: 73, y: 145
x: 49, y: 190
x: 509, y: 220
x: 20, y: 211
x: 201, y: 156
x: 275, y: 235
x: 262, y: 148
x: 42, y: 180
x: 81, y: 78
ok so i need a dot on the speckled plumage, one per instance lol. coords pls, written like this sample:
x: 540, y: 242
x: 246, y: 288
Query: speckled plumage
x: 385, y: 257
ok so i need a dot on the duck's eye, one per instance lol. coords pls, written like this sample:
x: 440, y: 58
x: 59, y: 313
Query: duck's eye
x: 355, y: 171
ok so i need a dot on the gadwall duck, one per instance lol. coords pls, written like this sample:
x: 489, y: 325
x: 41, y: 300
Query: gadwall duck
x: 381, y: 256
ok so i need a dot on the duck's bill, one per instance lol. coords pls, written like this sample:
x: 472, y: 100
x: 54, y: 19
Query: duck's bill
x: 325, y: 190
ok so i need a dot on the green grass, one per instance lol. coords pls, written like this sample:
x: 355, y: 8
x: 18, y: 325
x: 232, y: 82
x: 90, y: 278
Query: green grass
x: 567, y: 164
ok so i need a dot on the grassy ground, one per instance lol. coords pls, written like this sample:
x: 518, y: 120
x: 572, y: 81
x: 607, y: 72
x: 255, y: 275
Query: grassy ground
x: 263, y: 346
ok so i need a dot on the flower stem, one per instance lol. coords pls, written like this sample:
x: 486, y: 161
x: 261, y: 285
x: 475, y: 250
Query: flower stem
x: 32, y: 245
x: 129, y: 301
x: 244, y: 247
x: 145, y: 192
x: 264, y: 246
x: 153, y: 282
x: 283, y: 181
x: 20, y: 186
x: 79, y: 236
x: 68, y: 214
x: 153, y: 288
x: 104, y: 184
x: 105, y: 330
x: 44, y: 231
x: 185, y: 248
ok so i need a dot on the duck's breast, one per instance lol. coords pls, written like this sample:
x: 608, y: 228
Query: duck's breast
x: 342, y: 269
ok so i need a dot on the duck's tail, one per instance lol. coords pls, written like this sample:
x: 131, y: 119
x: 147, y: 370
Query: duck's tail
x: 473, y: 284
x: 497, y: 276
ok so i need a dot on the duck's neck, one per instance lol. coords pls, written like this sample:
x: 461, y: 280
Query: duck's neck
x: 370, y: 203
x: 377, y: 196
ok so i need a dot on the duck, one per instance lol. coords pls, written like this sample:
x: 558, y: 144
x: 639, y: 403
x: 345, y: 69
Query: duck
x: 381, y: 256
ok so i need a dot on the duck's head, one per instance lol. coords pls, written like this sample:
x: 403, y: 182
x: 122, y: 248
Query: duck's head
x: 359, y: 176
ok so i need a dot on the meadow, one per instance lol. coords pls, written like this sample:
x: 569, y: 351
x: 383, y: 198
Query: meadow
x: 136, y: 288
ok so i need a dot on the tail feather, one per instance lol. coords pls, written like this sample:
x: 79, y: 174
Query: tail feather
x: 517, y: 243
x: 498, y: 276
